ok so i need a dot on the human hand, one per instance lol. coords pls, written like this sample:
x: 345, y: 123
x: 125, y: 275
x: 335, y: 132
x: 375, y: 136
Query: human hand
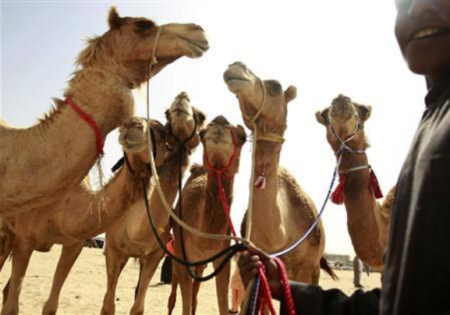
x: 253, y: 259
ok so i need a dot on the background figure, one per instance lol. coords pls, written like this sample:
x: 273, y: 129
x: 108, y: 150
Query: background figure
x: 357, y: 272
x: 367, y: 269
x: 237, y: 289
x: 166, y: 269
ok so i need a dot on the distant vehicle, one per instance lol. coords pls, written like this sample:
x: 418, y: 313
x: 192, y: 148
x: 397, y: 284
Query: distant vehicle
x: 95, y: 242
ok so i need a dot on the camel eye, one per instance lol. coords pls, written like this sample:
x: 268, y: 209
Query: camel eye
x: 144, y: 25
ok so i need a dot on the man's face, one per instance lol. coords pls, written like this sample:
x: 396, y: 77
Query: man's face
x: 423, y: 34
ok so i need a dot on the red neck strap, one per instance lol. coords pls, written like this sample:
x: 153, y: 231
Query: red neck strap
x: 90, y: 121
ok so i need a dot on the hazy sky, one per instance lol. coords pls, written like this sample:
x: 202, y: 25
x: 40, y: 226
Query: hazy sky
x: 323, y: 47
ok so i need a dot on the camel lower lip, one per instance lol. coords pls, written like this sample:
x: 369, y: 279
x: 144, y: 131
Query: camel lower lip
x: 203, y: 48
x: 236, y: 79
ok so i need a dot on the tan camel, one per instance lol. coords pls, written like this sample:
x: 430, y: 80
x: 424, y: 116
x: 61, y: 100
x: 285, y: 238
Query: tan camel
x: 367, y: 219
x: 82, y: 215
x: 38, y: 172
x: 132, y: 235
x: 282, y: 211
x: 203, y: 209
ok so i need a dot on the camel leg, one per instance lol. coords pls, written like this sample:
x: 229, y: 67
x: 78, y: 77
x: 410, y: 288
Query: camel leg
x: 115, y: 262
x: 20, y: 260
x: 6, y: 244
x: 222, y: 287
x: 4, y: 256
x: 5, y: 292
x: 68, y: 257
x: 148, y: 268
x: 173, y: 293
x: 185, y: 282
x: 196, y: 287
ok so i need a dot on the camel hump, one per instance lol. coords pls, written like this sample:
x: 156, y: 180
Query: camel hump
x: 388, y: 201
x: 326, y: 267
x: 297, y: 195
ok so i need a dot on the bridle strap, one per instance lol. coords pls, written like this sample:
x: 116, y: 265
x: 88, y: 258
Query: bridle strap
x: 355, y: 169
x: 271, y: 137
x: 222, y: 170
x: 183, y: 143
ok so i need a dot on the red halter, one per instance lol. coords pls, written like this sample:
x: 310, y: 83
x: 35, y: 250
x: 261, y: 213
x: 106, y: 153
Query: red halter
x: 90, y: 121
x: 219, y: 173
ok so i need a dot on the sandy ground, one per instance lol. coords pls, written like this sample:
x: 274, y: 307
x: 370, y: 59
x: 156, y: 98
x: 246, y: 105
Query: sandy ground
x: 84, y: 289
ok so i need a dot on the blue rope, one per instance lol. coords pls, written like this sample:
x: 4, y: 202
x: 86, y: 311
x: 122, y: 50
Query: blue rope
x: 316, y: 221
x: 254, y: 297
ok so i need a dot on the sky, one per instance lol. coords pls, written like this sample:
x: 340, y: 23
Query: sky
x: 322, y: 47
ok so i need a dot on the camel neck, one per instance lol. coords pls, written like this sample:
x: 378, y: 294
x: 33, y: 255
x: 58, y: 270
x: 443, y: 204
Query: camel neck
x: 214, y: 217
x: 168, y: 173
x: 363, y: 218
x: 266, y: 219
x: 66, y: 140
x: 106, y: 206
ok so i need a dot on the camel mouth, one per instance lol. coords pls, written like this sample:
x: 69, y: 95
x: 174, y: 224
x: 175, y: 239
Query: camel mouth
x: 197, y: 48
x: 236, y: 79
x: 180, y: 112
x: 133, y: 147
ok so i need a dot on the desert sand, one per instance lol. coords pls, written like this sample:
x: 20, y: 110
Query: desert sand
x: 85, y: 287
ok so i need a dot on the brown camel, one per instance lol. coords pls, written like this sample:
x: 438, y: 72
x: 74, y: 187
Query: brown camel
x: 132, y: 235
x: 82, y: 215
x: 108, y: 69
x: 282, y: 211
x: 203, y: 209
x: 367, y: 219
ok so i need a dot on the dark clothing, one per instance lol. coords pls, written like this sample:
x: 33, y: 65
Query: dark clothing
x: 166, y: 270
x: 313, y: 300
x: 416, y: 278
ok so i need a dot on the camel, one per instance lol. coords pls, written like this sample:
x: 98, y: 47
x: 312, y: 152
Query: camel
x: 368, y: 220
x: 132, y: 235
x: 83, y: 214
x: 282, y: 211
x: 203, y: 209
x: 107, y: 70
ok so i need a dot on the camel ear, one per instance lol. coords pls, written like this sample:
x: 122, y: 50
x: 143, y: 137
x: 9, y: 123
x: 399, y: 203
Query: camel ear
x: 202, y: 134
x: 364, y: 112
x: 199, y: 116
x: 241, y: 135
x: 114, y: 20
x: 322, y: 116
x: 291, y: 93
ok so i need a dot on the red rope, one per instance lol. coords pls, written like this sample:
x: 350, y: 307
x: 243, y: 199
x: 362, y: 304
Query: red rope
x: 264, y: 295
x: 286, y: 287
x: 374, y: 185
x: 225, y: 205
x: 219, y: 173
x: 338, y: 195
x: 90, y: 121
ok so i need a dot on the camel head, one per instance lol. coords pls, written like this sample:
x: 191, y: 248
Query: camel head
x: 252, y: 92
x: 345, y: 118
x: 222, y: 143
x: 184, y: 122
x: 133, y: 136
x: 126, y: 49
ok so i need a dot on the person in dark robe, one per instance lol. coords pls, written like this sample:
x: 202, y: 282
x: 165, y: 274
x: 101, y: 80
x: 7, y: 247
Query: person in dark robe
x: 416, y: 276
x: 166, y: 269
